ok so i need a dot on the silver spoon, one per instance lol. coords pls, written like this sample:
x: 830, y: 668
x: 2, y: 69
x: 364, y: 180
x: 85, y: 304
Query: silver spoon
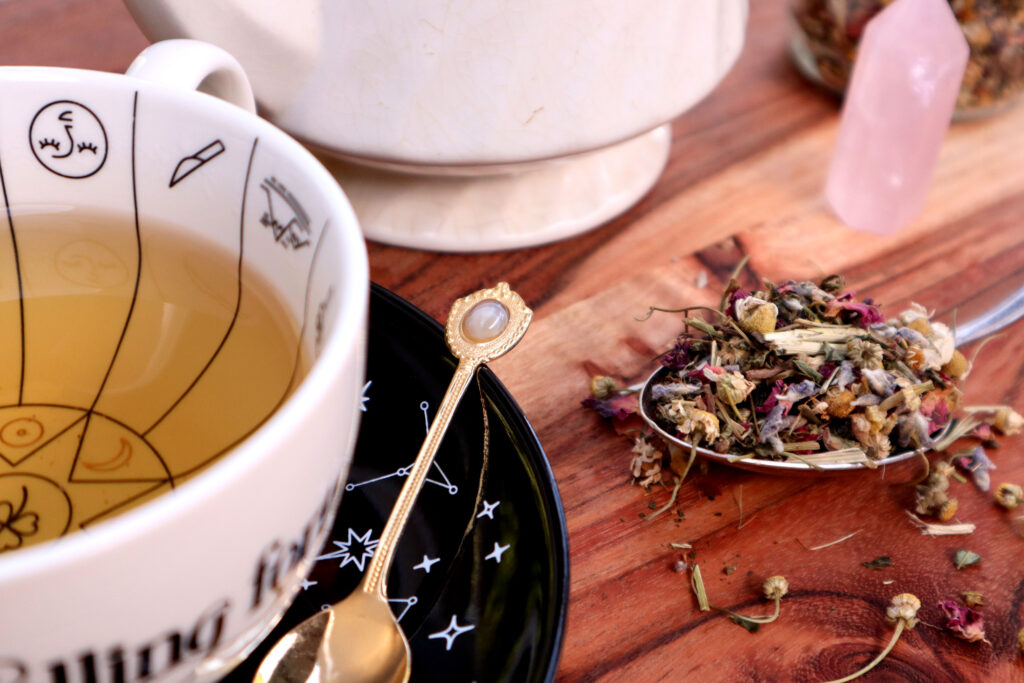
x: 358, y: 639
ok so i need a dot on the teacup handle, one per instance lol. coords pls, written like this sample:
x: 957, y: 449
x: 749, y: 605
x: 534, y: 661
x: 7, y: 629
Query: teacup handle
x: 195, y: 65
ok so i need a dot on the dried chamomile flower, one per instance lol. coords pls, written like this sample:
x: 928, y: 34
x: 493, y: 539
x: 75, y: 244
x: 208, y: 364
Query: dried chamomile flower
x: 602, y: 386
x: 864, y: 353
x: 733, y: 388
x: 958, y: 366
x: 1009, y: 495
x: 775, y: 587
x: 930, y: 497
x: 903, y: 612
x: 1008, y: 421
x: 903, y: 609
x: 840, y: 403
x: 756, y: 315
x: 694, y: 422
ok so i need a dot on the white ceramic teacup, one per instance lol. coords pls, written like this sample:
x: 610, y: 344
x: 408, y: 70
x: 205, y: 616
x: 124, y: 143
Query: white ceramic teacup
x: 180, y: 587
x: 481, y: 89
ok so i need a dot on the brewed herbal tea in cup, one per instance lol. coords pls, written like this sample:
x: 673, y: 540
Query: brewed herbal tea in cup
x: 130, y: 358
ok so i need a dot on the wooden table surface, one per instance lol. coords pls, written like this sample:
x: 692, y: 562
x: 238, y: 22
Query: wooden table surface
x: 745, y: 177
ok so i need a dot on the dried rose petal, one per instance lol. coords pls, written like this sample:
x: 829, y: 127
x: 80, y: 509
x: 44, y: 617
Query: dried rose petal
x: 616, y: 408
x: 965, y: 622
x: 867, y: 313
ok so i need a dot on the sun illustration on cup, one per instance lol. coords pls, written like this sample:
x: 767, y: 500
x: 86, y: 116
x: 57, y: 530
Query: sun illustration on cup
x: 16, y: 522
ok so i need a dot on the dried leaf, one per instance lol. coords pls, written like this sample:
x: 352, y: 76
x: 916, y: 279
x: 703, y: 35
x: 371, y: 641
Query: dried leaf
x: 879, y: 562
x: 965, y: 558
x: 751, y: 626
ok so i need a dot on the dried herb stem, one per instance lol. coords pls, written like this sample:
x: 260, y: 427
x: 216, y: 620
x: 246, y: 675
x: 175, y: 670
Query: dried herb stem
x: 671, y: 501
x: 761, y: 619
x: 835, y: 542
x: 802, y: 446
x: 697, y: 583
x: 888, y: 648
x: 804, y: 460
x: 734, y: 276
x: 931, y: 529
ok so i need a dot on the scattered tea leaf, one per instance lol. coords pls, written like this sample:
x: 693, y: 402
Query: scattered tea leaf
x: 751, y: 626
x: 965, y: 558
x: 697, y: 583
x: 728, y: 570
x: 879, y: 562
x: 973, y: 598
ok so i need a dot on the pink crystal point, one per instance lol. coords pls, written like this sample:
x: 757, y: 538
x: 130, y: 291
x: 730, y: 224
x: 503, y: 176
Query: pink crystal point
x: 898, y: 106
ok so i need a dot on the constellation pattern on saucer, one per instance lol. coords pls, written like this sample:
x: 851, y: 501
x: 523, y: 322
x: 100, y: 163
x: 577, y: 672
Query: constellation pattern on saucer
x: 408, y: 602
x: 498, y: 551
x: 365, y: 399
x: 488, y: 510
x: 427, y: 563
x: 452, y: 632
x: 354, y: 550
x: 444, y: 482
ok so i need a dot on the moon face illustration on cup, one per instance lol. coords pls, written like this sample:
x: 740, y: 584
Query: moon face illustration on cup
x: 68, y: 139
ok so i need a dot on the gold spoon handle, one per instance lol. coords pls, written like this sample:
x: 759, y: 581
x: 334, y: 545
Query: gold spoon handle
x: 375, y: 579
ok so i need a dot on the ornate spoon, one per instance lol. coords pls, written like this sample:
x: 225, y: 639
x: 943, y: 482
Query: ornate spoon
x: 358, y: 639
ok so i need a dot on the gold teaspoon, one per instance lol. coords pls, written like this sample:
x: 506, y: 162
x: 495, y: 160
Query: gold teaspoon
x: 358, y: 639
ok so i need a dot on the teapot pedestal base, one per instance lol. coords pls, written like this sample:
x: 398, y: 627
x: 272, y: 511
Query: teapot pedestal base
x: 527, y: 205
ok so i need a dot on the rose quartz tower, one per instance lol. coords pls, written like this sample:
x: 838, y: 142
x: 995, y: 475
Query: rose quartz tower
x: 898, y: 106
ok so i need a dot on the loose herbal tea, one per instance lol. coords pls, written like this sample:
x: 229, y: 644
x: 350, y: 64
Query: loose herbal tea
x: 829, y: 31
x: 802, y: 371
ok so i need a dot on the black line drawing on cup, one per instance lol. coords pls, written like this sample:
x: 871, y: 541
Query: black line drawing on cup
x: 193, y: 162
x: 68, y: 139
x: 294, y: 232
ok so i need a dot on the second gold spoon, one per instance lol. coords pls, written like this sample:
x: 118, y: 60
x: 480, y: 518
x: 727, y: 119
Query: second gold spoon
x: 358, y: 639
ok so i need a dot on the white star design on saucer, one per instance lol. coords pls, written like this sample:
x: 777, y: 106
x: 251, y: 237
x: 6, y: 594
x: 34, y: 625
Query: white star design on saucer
x: 345, y: 550
x: 452, y: 632
x: 488, y: 510
x: 498, y: 551
x: 306, y: 583
x: 427, y: 563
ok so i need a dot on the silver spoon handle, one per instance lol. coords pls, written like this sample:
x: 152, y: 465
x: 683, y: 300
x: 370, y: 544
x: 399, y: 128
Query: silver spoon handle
x: 375, y: 579
x: 999, y: 316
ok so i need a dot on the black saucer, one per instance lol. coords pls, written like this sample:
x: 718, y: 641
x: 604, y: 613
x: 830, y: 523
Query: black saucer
x: 480, y: 579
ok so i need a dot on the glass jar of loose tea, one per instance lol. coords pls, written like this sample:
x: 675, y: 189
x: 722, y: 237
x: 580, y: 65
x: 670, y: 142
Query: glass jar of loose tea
x: 826, y: 34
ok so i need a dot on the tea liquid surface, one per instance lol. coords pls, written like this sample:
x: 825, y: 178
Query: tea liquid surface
x: 130, y: 358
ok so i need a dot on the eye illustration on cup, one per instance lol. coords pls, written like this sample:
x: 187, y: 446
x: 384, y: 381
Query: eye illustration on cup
x: 68, y: 139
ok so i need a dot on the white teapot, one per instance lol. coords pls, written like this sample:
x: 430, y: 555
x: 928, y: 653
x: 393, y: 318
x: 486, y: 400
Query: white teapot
x: 470, y: 87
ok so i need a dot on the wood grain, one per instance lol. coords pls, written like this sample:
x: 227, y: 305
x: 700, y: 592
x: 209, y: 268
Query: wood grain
x: 744, y: 178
